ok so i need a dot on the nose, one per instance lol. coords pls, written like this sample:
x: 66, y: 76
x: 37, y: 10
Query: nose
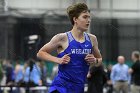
x: 89, y: 20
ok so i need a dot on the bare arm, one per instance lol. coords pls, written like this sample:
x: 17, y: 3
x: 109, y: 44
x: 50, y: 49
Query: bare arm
x: 96, y: 57
x: 44, y: 52
x: 96, y: 51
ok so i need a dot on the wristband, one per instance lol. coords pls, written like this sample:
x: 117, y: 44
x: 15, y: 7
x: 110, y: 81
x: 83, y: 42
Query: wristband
x: 96, y: 61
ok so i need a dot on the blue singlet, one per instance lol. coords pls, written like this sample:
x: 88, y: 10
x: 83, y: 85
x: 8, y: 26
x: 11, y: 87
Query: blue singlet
x: 72, y: 76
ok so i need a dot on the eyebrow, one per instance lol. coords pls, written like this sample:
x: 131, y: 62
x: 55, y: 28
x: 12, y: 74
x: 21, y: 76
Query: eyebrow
x: 87, y: 15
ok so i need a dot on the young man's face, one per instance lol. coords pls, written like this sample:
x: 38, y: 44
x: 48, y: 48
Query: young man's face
x: 83, y: 21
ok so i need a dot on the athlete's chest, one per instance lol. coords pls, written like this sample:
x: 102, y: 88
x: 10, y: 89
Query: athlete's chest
x: 80, y: 48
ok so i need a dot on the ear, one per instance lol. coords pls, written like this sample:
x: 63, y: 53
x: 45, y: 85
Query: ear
x: 74, y: 19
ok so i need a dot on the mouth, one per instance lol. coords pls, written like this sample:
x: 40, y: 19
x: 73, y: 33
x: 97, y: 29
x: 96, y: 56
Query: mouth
x: 87, y: 25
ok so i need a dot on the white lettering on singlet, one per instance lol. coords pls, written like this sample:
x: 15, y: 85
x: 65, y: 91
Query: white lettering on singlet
x: 80, y: 51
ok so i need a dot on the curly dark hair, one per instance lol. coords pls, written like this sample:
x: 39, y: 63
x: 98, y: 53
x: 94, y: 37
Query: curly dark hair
x: 75, y: 10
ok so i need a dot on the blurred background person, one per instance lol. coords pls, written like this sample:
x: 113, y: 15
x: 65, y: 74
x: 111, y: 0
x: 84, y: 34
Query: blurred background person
x: 135, y: 71
x: 1, y: 72
x: 32, y: 74
x: 10, y: 75
x: 120, y: 76
x: 18, y: 72
x: 109, y: 84
x: 96, y: 79
x: 43, y: 70
x: 54, y: 71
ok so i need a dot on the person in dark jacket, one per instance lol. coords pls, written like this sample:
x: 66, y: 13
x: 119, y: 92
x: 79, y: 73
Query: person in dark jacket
x: 109, y: 85
x: 96, y: 79
x: 135, y: 71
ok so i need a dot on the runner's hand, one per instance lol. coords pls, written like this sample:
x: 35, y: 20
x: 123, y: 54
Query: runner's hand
x: 64, y: 60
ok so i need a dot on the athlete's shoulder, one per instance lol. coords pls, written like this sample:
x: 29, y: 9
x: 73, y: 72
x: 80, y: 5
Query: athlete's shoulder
x: 60, y: 36
x: 92, y: 37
